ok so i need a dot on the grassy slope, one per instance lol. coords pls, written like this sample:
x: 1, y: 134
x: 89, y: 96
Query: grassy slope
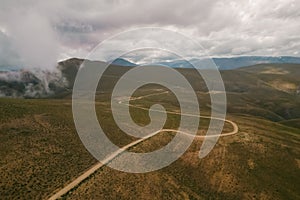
x: 41, y: 150
x: 261, y: 162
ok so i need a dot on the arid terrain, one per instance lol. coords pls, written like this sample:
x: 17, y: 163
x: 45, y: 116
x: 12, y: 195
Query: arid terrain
x: 41, y: 151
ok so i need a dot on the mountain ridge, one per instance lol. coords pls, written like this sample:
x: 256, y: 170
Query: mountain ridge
x: 223, y: 63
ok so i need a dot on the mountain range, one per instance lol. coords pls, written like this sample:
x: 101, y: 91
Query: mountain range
x: 38, y: 83
x: 232, y: 62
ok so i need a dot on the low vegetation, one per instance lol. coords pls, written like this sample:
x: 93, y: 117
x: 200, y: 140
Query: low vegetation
x: 41, y: 151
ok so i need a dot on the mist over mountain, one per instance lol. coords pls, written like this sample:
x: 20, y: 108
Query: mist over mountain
x: 34, y: 83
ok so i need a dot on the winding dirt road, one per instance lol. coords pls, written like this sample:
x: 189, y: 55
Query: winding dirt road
x: 97, y: 166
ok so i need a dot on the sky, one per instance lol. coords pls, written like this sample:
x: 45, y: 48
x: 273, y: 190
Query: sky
x: 39, y: 33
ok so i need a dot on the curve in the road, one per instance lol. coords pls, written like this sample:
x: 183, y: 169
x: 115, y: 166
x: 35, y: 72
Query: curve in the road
x: 97, y: 166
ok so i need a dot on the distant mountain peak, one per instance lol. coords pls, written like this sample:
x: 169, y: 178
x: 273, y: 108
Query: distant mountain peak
x: 122, y: 62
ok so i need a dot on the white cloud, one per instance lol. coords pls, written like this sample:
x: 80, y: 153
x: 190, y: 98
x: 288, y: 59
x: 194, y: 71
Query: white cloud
x: 41, y: 32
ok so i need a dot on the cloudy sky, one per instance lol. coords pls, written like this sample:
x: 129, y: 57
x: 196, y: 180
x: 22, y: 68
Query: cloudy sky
x: 39, y: 33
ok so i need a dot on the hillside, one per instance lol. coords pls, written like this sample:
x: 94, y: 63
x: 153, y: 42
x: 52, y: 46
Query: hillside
x: 250, y: 90
x: 261, y: 161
